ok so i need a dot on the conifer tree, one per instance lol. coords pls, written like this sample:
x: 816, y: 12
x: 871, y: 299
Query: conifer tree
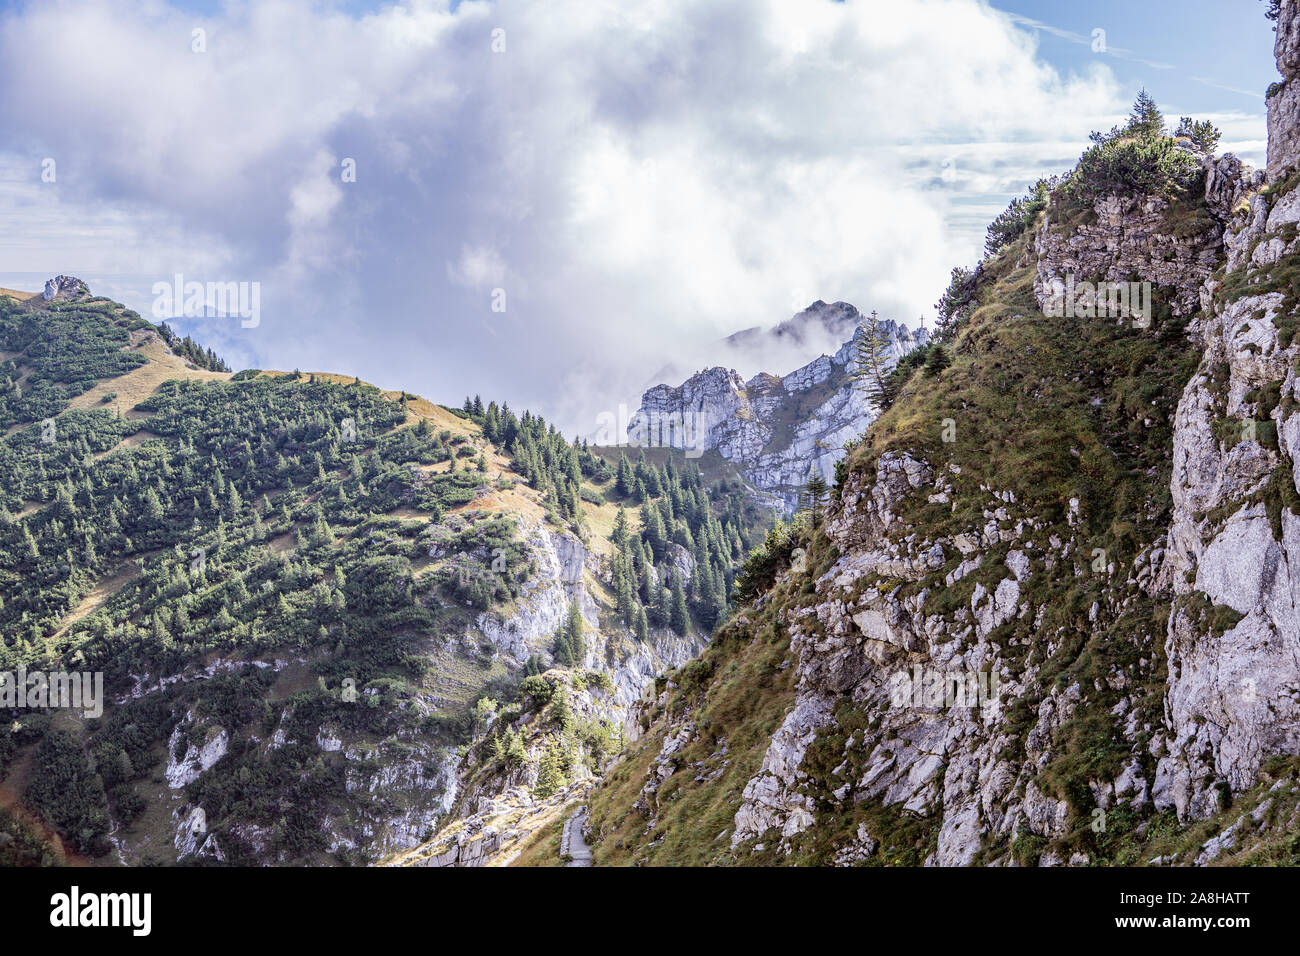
x: 620, y: 534
x: 623, y: 480
x: 152, y: 507
x: 871, y: 370
x: 814, y: 494
x: 645, y: 586
x: 653, y: 523
x: 720, y: 603
x: 561, y: 709
x: 516, y: 754
x: 624, y: 590
x: 1204, y: 134
x: 937, y: 360
x: 550, y: 774
x: 570, y: 648
x: 1145, y: 118
x: 677, y: 615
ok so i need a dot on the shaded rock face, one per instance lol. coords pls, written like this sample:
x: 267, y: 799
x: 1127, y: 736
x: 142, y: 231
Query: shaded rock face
x: 528, y: 627
x: 776, y: 429
x: 1227, y: 181
x: 1130, y: 237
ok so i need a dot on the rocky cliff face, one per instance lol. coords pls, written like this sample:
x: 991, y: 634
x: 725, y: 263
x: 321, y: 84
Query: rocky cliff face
x: 1070, y: 633
x: 419, y: 802
x: 1233, y: 699
x: 776, y: 429
x: 1284, y: 98
x: 567, y: 572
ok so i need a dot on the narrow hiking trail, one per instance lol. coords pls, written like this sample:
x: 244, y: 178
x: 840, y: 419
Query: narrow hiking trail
x: 572, y: 844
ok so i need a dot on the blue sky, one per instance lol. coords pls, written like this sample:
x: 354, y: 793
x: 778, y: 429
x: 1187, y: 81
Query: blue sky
x: 1194, y: 55
x: 636, y: 180
x: 1197, y: 44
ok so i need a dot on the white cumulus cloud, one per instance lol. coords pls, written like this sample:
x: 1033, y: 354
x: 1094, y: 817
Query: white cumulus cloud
x: 640, y: 178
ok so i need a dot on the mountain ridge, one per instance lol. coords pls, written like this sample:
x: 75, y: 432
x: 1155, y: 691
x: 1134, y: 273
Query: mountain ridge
x: 820, y: 328
x: 311, y: 599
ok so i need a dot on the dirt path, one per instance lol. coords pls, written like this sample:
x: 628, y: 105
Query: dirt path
x: 571, y: 843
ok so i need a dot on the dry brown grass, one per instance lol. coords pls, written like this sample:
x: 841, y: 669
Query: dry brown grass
x: 282, y: 544
x: 99, y: 596
x: 138, y: 384
x: 600, y: 521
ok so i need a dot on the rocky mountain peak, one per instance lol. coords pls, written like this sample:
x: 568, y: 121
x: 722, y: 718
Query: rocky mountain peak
x: 838, y: 319
x: 814, y: 325
x: 64, y: 289
x: 778, y: 429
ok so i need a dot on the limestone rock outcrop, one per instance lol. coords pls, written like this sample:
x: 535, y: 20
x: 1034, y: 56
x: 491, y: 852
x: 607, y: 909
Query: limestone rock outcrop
x: 775, y: 429
x: 64, y: 288
x: 1284, y: 97
x: 1233, y: 696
